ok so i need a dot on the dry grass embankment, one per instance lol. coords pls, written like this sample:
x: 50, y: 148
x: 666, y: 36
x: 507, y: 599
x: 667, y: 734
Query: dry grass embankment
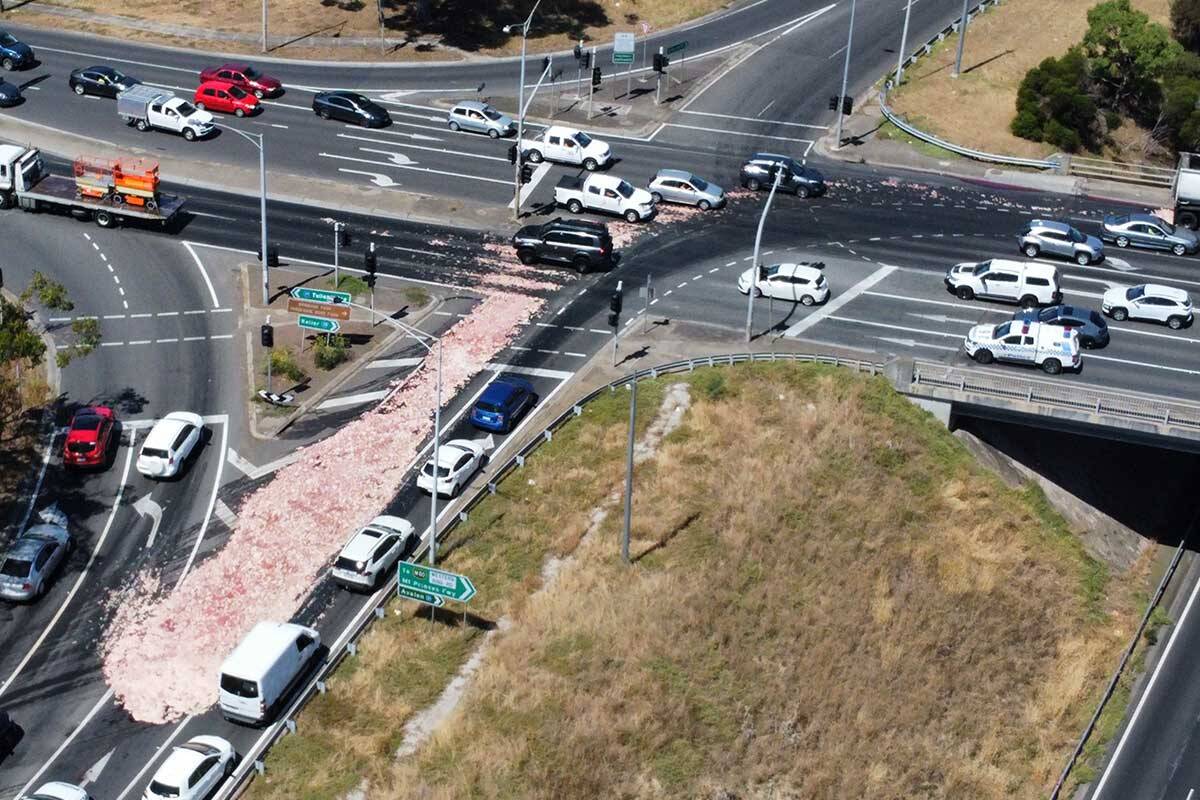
x: 831, y: 599
x: 975, y: 109
x: 450, y: 28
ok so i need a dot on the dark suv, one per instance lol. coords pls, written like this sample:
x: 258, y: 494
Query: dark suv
x: 14, y: 54
x: 582, y: 244
x: 759, y: 173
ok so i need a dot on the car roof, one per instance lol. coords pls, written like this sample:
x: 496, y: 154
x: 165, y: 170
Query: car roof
x: 1052, y: 224
x: 585, y: 225
x: 475, y: 104
x: 1031, y: 267
x: 24, y: 549
x: 58, y: 790
x: 362, y: 543
x: 240, y: 66
x: 216, y: 84
x: 261, y: 648
x: 803, y: 270
x: 502, y: 388
x: 163, y: 434
x: 450, y: 452
x: 178, y: 766
x: 1158, y: 290
x: 678, y: 174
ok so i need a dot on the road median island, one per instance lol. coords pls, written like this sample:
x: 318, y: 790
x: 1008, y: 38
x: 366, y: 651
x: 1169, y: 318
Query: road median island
x: 829, y: 597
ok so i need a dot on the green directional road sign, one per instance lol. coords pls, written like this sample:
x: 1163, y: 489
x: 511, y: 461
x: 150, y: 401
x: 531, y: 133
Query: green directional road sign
x: 319, y: 324
x: 623, y: 48
x: 423, y: 597
x: 435, y: 581
x: 675, y: 48
x: 320, y: 295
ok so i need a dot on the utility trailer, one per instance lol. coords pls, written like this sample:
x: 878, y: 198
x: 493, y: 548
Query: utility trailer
x: 25, y: 181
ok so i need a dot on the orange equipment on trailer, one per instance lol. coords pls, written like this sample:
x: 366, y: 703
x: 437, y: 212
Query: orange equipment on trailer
x: 136, y: 182
x: 93, y: 177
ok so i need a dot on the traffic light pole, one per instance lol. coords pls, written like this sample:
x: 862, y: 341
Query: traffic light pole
x: 337, y: 236
x: 837, y: 144
x: 592, y: 85
x: 520, y: 128
x: 757, y: 244
x: 579, y: 71
x: 658, y: 83
x: 268, y: 361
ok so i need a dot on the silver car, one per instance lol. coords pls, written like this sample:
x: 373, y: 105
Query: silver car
x: 677, y: 186
x: 32, y: 559
x: 1052, y: 238
x: 471, y: 115
x: 1148, y: 230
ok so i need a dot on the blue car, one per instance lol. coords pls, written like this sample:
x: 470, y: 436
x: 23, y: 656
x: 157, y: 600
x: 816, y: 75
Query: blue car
x: 502, y: 404
x: 14, y: 53
x: 1093, y: 330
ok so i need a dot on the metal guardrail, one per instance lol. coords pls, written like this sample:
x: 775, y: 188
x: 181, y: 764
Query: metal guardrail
x: 1147, y: 174
x: 346, y: 644
x: 1117, y: 407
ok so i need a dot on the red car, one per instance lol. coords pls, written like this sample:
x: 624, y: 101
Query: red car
x: 89, y: 437
x: 245, y: 77
x: 226, y: 98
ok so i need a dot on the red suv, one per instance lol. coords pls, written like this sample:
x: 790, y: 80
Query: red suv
x: 226, y: 98
x: 89, y: 437
x: 245, y: 77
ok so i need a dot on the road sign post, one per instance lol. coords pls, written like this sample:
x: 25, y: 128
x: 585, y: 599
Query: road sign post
x: 428, y: 580
x: 680, y: 47
x: 624, y: 50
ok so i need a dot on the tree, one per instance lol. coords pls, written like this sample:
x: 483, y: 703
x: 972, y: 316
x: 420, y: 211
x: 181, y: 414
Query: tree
x: 1053, y: 104
x: 19, y: 342
x: 50, y: 293
x: 1128, y: 55
x: 1185, y: 23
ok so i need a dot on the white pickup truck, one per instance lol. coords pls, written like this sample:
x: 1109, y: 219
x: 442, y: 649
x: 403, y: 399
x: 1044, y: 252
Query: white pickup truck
x: 567, y: 146
x: 149, y: 107
x: 604, y: 193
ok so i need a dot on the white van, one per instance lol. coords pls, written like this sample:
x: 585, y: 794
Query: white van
x: 264, y: 668
x: 1027, y: 283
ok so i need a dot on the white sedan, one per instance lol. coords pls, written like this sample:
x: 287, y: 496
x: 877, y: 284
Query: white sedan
x: 798, y: 283
x: 169, y: 444
x: 193, y: 770
x: 458, y: 461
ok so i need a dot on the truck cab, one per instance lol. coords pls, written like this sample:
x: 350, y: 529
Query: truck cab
x: 567, y: 146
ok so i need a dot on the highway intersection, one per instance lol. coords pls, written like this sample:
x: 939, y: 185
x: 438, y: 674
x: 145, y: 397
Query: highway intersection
x: 171, y: 310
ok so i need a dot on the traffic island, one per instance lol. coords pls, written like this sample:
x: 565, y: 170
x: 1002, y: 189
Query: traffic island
x: 308, y: 340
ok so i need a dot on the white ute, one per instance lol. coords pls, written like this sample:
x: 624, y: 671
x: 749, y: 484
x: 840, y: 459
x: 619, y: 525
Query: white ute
x: 1048, y: 346
x: 147, y: 107
x: 606, y: 193
x: 567, y: 146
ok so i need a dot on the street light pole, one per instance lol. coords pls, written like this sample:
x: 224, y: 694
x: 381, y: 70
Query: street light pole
x: 262, y: 211
x: 264, y: 26
x: 753, y: 284
x: 337, y: 235
x: 962, y: 38
x: 837, y: 145
x: 903, y: 44
x: 520, y: 110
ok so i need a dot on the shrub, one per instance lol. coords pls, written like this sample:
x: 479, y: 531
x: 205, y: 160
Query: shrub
x: 328, y: 356
x: 353, y: 284
x: 416, y: 296
x: 284, y: 363
x: 1053, y: 104
x: 1127, y: 55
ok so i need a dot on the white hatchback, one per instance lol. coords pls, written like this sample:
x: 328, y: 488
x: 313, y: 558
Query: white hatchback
x: 458, y: 461
x: 169, y: 444
x: 370, y: 553
x: 192, y: 770
x: 1149, y: 301
x: 57, y: 790
x: 799, y: 283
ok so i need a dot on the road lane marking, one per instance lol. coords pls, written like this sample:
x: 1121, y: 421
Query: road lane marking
x: 737, y: 133
x: 66, y: 742
x: 162, y: 750
x: 352, y: 400
x: 892, y: 327
x: 414, y: 168
x: 395, y: 363
x: 834, y: 305
x: 212, y: 501
x: 536, y: 372
x: 112, y: 515
x: 540, y: 172
x: 207, y: 282
x: 408, y: 146
x: 1146, y: 364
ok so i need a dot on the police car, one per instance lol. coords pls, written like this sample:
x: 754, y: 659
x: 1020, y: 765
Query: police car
x: 1051, y: 347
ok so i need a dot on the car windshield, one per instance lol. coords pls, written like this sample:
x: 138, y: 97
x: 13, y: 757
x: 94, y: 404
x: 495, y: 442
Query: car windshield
x: 86, y: 422
x: 153, y: 452
x: 15, y: 567
x: 8, y: 39
x: 583, y: 139
x: 699, y: 183
x: 81, y: 447
x: 625, y: 189
x: 1097, y: 320
x: 1002, y: 330
x: 1048, y: 314
x: 1135, y: 292
x: 1077, y: 237
x: 186, y: 109
x: 238, y: 93
x: 1166, y: 226
x: 163, y: 790
x: 239, y: 686
x: 492, y: 113
x: 490, y: 408
x: 251, y: 73
x: 199, y: 747
x: 772, y: 270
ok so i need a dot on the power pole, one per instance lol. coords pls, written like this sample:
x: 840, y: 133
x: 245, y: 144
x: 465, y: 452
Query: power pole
x: 903, y: 43
x: 758, y: 243
x: 264, y: 26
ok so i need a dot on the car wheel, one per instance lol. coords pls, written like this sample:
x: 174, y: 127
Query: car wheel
x: 1083, y: 259
x: 493, y: 133
x: 1179, y: 250
x: 104, y: 219
x: 1122, y: 241
x: 1029, y: 301
x: 704, y: 205
x: 189, y: 134
x: 78, y: 89
x: 1119, y: 314
x: 527, y: 257
x: 656, y: 197
x: 965, y: 293
x: 7, y: 64
x: 323, y: 115
x: 201, y: 106
x: 1051, y: 366
x: 574, y: 206
x: 1174, y: 323
x: 142, y: 125
x: 1031, y: 250
x: 753, y: 184
x: 454, y: 127
x: 590, y: 164
x: 581, y: 264
x: 632, y: 216
x: 806, y: 300
x: 1088, y: 343
x: 1188, y: 220
x: 984, y: 356
x: 802, y: 191
x: 535, y: 156
x: 758, y: 292
x: 237, y: 112
x: 258, y: 93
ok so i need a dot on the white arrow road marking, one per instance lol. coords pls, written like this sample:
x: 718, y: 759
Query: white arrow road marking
x: 911, y: 343
x: 93, y: 773
x: 399, y: 159
x: 418, y: 169
x: 382, y: 181
x: 147, y: 507
x: 942, y: 318
x: 459, y: 153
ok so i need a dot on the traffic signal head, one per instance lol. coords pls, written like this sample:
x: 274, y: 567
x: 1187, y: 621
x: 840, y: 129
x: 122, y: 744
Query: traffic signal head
x: 370, y: 280
x: 586, y: 61
x: 614, y: 302
x: 578, y: 52
x: 614, y: 319
x: 526, y: 173
x: 512, y: 154
x: 369, y: 262
x: 661, y: 62
x: 847, y: 105
x: 833, y: 102
x: 596, y: 77
x: 545, y: 63
x: 268, y: 336
x: 343, y: 236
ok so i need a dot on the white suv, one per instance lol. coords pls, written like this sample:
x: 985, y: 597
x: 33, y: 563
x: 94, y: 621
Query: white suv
x: 1150, y: 301
x: 1048, y: 346
x: 366, y: 559
x: 1024, y: 282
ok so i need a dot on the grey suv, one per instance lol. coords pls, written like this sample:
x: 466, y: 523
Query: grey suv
x: 759, y: 173
x: 1052, y: 238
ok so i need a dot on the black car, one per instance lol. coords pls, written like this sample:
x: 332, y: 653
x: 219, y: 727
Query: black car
x: 10, y: 734
x: 759, y: 173
x: 10, y: 94
x: 582, y: 244
x: 14, y: 54
x: 351, y: 107
x: 1093, y: 330
x: 100, y: 81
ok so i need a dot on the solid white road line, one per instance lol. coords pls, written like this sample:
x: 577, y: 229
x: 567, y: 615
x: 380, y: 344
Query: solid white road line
x: 756, y: 119
x: 112, y: 515
x: 207, y: 281
x: 889, y: 326
x: 254, y: 473
x: 536, y: 372
x: 408, y: 146
x: 37, y: 487
x: 414, y: 168
x: 736, y: 133
x: 103, y: 701
x: 394, y: 363
x: 540, y: 172
x: 225, y: 514
x: 1146, y: 364
x: 163, y: 749
x: 352, y: 400
x: 1137, y: 711
x: 845, y: 297
x: 212, y: 501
